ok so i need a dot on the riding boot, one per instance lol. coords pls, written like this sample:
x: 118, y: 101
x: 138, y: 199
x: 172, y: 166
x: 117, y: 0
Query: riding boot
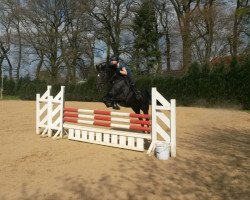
x: 138, y: 95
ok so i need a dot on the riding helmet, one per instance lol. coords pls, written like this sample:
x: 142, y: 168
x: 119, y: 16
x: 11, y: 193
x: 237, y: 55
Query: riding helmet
x: 114, y: 58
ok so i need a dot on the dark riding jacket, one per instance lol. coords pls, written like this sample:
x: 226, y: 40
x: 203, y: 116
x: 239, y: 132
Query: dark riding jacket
x: 129, y: 72
x: 121, y: 65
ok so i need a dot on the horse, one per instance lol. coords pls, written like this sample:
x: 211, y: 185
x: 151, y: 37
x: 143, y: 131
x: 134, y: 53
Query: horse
x: 124, y: 96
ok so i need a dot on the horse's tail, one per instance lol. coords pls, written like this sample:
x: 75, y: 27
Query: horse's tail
x: 146, y: 101
x: 146, y: 96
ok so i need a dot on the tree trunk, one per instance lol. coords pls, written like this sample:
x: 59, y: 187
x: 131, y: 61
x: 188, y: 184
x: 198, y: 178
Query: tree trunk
x: 19, y: 53
x: 115, y: 47
x: 186, y: 43
x: 184, y: 11
x: 108, y: 51
x: 136, y: 58
x: 5, y: 51
x: 53, y: 78
x: 73, y: 72
x: 54, y: 57
x: 38, y: 68
x: 235, y: 37
x: 10, y: 67
x: 159, y: 61
x: 208, y: 16
x: 168, y: 50
x: 164, y: 20
x: 157, y: 48
x: 92, y: 58
x: 54, y: 69
x: 68, y: 75
x: 1, y: 67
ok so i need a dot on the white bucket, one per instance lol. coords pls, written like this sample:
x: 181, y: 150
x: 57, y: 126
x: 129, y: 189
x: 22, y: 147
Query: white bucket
x: 162, y: 150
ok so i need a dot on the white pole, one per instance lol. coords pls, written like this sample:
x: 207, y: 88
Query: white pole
x: 173, y: 128
x: 49, y: 113
x: 62, y: 109
x: 37, y: 113
x: 153, y: 121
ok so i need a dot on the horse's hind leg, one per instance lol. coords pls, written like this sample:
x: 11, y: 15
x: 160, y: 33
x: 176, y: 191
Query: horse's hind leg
x: 136, y: 110
x: 107, y: 101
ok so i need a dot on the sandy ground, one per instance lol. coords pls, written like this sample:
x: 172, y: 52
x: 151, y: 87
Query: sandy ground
x: 213, y: 148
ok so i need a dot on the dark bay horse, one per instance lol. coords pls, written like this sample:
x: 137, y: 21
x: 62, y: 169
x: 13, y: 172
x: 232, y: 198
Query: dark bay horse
x: 120, y: 92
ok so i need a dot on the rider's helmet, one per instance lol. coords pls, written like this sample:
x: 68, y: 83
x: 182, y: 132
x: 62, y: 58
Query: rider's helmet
x: 114, y: 58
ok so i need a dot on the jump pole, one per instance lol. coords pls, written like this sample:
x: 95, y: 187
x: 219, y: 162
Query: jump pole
x: 52, y: 119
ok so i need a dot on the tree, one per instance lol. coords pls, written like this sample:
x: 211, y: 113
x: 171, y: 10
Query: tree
x: 5, y: 38
x: 164, y: 11
x: 77, y: 44
x: 184, y: 10
x: 147, y: 36
x: 203, y: 25
x: 111, y: 17
x: 15, y: 8
x: 45, y: 23
x: 241, y: 12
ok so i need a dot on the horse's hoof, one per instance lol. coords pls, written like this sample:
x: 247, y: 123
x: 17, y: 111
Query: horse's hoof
x: 116, y: 107
x: 108, y: 105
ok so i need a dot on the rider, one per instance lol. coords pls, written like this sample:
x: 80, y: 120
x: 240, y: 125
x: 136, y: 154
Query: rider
x: 123, y: 69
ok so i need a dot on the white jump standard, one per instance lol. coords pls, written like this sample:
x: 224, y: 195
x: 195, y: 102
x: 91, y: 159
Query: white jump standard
x: 53, y: 120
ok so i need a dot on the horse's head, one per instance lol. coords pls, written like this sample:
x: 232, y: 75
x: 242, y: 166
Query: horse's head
x: 101, y: 78
x: 105, y: 72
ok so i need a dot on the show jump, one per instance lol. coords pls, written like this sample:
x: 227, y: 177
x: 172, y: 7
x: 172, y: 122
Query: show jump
x: 126, y: 130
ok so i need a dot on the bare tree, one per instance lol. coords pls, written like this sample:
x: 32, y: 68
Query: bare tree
x: 15, y: 8
x: 164, y: 13
x: 77, y: 41
x: 238, y: 27
x: 5, y: 38
x: 184, y: 10
x: 111, y: 16
x: 203, y: 24
x: 45, y: 23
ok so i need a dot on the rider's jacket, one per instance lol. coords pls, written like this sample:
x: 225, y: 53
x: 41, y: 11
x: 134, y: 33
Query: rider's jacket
x: 121, y: 65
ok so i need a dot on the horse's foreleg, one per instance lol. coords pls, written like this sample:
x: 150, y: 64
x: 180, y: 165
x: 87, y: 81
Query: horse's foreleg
x: 107, y: 100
